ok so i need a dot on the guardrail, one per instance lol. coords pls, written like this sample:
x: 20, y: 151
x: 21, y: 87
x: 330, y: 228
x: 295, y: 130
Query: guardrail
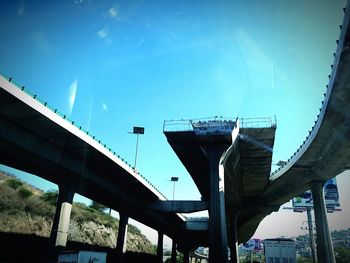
x: 186, y: 124
x: 262, y: 122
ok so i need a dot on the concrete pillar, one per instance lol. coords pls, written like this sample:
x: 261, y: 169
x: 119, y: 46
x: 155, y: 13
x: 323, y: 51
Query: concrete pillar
x: 60, y: 225
x: 234, y: 257
x: 160, y: 248
x: 217, y: 215
x: 325, y: 253
x: 186, y: 255
x: 173, y: 252
x: 122, y: 235
x: 311, y: 236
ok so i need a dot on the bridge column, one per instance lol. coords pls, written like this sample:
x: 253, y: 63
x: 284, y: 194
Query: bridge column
x: 122, y: 235
x: 60, y: 225
x: 217, y: 215
x: 160, y: 247
x: 311, y: 234
x: 186, y: 253
x: 234, y: 245
x: 173, y: 252
x: 325, y: 253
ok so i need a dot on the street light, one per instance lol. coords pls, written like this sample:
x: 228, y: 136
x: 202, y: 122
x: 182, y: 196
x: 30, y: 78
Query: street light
x: 137, y: 131
x: 174, y: 179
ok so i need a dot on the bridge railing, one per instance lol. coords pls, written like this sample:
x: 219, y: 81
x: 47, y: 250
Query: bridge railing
x: 262, y: 122
x: 177, y: 125
x: 186, y: 124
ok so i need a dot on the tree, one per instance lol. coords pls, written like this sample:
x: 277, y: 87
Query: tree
x: 97, y: 206
x: 50, y: 197
x: 342, y: 254
x: 179, y: 258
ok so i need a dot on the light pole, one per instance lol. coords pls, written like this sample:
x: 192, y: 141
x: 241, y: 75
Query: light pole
x: 137, y: 131
x: 174, y: 179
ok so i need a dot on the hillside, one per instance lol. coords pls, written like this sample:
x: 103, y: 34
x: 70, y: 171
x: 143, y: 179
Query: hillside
x: 25, y: 209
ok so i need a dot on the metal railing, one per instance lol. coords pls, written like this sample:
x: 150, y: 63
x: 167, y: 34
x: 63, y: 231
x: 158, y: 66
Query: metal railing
x: 186, y: 124
x: 262, y: 122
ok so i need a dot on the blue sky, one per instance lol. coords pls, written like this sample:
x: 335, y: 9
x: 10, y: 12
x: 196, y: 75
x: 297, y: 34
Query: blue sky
x: 112, y: 65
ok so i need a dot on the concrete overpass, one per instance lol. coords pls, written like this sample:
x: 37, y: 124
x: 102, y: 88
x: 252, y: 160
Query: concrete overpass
x: 232, y: 171
x: 37, y: 139
x: 235, y: 164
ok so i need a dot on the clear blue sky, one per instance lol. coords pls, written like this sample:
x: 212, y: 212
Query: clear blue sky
x: 112, y: 65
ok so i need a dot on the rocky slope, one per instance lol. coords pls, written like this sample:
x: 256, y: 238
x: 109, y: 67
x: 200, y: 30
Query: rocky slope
x: 27, y: 210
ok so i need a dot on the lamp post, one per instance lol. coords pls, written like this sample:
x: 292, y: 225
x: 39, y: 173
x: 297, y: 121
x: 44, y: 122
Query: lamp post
x: 174, y: 179
x: 137, y: 131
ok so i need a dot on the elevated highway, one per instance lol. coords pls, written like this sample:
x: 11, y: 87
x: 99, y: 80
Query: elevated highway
x: 241, y: 159
x: 37, y: 139
x: 250, y: 191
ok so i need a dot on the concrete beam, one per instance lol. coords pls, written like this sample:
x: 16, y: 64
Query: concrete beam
x: 179, y: 206
x: 197, y: 225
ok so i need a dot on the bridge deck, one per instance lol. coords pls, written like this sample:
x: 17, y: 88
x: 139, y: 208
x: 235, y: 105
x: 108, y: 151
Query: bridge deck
x: 324, y: 154
x: 35, y: 139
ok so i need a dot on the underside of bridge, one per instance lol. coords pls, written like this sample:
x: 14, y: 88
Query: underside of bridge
x: 246, y: 160
x: 250, y: 190
x: 35, y: 139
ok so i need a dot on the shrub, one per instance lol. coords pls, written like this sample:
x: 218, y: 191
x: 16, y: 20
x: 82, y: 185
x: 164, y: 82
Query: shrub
x: 98, y: 206
x: 82, y: 213
x: 134, y: 230
x: 35, y: 206
x: 50, y: 197
x: 13, y: 183
x: 9, y: 199
x: 24, y: 193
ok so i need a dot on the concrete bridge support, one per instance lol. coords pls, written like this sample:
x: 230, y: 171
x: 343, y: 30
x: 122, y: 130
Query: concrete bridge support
x: 60, y: 225
x: 311, y: 234
x: 217, y: 214
x: 325, y: 253
x: 160, y: 247
x: 173, y: 252
x: 122, y: 235
x: 186, y: 253
x: 234, y: 257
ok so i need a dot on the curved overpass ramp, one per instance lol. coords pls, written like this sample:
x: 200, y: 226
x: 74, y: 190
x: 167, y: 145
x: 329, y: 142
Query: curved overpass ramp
x: 250, y: 190
x: 325, y: 153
